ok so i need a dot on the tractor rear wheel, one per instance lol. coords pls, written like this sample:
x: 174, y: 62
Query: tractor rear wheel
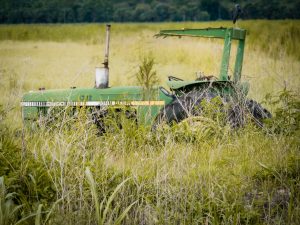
x: 189, y: 105
x: 257, y: 112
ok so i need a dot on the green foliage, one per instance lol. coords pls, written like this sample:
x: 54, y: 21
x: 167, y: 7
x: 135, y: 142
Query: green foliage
x: 8, y: 209
x: 26, y: 179
x: 286, y: 118
x: 276, y: 192
x: 146, y: 75
x: 102, y: 213
x: 214, y: 110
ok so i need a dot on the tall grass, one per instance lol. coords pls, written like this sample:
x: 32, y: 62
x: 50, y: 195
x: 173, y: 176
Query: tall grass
x: 283, y: 34
x: 177, y: 175
x: 185, y: 174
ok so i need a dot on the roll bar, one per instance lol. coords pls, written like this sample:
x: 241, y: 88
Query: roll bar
x: 228, y: 34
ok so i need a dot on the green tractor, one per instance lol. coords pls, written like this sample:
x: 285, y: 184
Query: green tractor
x: 157, y: 104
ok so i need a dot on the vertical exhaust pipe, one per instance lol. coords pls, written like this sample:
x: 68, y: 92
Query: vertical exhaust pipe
x: 102, y: 73
x: 107, y: 46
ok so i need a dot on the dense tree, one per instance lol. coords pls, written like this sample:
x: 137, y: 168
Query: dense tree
x: 70, y: 11
x: 143, y: 12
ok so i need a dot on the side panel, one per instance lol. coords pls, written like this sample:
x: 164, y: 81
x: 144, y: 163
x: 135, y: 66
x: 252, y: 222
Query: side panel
x: 147, y: 114
x: 146, y: 104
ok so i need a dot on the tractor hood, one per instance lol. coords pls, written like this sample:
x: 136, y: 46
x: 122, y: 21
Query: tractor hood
x: 84, y: 94
x: 35, y: 103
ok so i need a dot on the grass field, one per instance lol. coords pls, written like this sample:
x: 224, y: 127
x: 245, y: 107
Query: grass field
x: 211, y: 175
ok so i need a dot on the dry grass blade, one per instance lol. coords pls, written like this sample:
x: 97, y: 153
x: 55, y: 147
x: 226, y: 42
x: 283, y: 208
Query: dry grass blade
x: 94, y: 194
x: 124, y: 213
x: 38, y: 215
x: 101, y: 218
x: 111, y: 198
x: 51, y: 210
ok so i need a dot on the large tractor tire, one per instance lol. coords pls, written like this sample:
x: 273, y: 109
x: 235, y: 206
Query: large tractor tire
x: 189, y: 105
x: 106, y: 119
x: 257, y: 112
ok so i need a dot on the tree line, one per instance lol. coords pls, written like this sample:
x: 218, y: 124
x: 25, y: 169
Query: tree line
x: 77, y: 11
